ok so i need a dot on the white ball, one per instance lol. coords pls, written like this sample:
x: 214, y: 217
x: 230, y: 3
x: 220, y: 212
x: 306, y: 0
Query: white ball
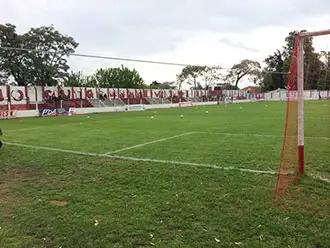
x: 152, y: 117
x: 181, y: 116
x: 240, y: 108
x: 88, y: 117
x: 206, y: 111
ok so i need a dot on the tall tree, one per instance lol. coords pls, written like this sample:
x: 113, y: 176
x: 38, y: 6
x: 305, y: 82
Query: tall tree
x: 121, y: 77
x: 77, y: 79
x: 190, y: 75
x: 37, y: 57
x: 211, y: 75
x: 311, y: 62
x: 245, y: 68
x: 13, y: 62
x: 287, y: 50
x: 194, y: 75
x: 50, y: 64
x: 323, y: 83
x: 273, y: 76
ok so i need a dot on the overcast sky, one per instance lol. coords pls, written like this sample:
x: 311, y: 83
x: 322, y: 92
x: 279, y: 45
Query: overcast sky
x: 212, y: 32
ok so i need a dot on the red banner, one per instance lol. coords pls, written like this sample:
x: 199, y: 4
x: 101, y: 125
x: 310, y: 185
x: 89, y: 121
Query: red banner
x: 7, y: 114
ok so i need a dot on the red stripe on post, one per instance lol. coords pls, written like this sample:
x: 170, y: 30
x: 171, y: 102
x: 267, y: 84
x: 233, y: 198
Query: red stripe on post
x: 301, y: 162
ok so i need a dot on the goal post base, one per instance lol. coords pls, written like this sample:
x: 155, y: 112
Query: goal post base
x: 301, y: 160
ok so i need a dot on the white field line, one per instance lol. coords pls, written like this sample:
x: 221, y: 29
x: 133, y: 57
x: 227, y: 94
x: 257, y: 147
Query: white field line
x: 35, y: 128
x: 229, y: 168
x: 20, y: 130
x: 260, y: 135
x: 48, y: 126
x: 239, y: 134
x: 148, y: 143
x: 324, y: 179
x: 215, y: 133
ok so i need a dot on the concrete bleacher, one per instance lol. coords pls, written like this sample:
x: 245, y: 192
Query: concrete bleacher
x: 178, y: 99
x: 146, y: 100
x: 106, y: 102
x: 117, y: 102
x: 97, y: 103
x: 194, y: 99
x: 48, y: 104
x: 133, y: 101
x: 158, y: 100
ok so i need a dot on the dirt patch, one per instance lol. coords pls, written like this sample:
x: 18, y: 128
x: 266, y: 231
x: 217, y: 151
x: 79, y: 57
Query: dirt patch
x: 13, y: 178
x: 9, y: 181
x: 15, y: 174
x: 60, y: 203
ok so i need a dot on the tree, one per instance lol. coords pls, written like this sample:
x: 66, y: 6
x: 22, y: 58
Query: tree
x: 195, y: 75
x: 289, y: 43
x: 324, y: 75
x: 164, y: 85
x: 180, y: 80
x: 49, y: 65
x: 273, y: 77
x: 13, y: 62
x: 323, y: 83
x: 211, y: 75
x: 199, y: 87
x: 245, y: 68
x: 190, y: 75
x: 77, y: 79
x: 37, y: 57
x: 121, y: 77
x: 311, y: 60
x: 3, y: 78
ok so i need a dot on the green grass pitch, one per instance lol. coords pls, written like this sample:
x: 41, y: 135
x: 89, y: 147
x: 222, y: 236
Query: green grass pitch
x: 126, y: 180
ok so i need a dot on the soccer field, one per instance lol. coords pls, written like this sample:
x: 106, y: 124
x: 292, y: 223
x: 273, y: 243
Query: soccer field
x: 126, y: 180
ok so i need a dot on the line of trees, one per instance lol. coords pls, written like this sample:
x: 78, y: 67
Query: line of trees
x: 39, y: 57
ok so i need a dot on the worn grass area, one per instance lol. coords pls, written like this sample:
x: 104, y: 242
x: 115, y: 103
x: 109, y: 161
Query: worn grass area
x: 56, y: 199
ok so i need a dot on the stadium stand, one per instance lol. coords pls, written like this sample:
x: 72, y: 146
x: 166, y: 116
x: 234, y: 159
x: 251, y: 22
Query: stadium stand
x: 53, y: 97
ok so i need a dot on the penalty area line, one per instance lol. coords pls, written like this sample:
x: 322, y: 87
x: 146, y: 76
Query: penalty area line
x: 229, y: 168
x: 148, y: 143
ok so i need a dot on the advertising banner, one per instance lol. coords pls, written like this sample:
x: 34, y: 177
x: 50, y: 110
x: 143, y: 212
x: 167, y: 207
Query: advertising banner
x: 62, y: 112
x: 47, y: 112
x: 4, y: 114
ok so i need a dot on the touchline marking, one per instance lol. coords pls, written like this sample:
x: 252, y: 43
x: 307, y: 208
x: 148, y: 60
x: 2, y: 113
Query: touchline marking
x: 197, y: 132
x: 22, y: 129
x: 230, y: 168
x: 148, y: 143
x: 327, y: 180
x: 239, y: 134
x: 47, y: 127
x: 261, y: 135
